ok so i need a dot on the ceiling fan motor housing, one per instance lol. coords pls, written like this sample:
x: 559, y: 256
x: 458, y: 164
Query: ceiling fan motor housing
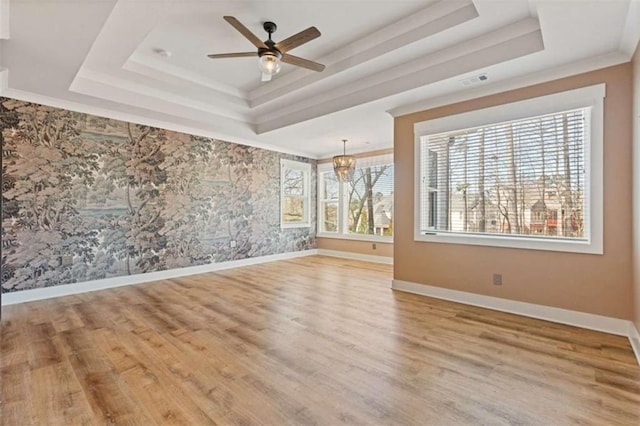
x: 272, y: 51
x: 271, y: 48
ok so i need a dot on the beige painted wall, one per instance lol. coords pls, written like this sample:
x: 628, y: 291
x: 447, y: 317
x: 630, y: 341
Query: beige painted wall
x: 588, y: 283
x: 636, y: 185
x: 353, y: 246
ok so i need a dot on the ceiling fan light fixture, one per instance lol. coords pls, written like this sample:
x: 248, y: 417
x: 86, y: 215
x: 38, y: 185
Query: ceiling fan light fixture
x: 269, y: 64
x: 344, y: 166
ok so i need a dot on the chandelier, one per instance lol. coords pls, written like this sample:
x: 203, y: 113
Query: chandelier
x: 344, y: 165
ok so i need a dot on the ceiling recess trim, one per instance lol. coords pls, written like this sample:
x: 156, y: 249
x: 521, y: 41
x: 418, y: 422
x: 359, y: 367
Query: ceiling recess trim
x: 510, y: 42
x: 435, y: 18
x: 161, y: 70
x: 132, y: 96
x: 110, y: 82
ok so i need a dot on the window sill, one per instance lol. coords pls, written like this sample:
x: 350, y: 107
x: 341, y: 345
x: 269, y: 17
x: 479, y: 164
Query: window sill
x: 370, y: 238
x: 531, y: 243
x: 295, y: 225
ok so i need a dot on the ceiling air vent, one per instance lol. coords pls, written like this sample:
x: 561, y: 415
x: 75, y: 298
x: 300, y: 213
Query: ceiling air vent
x: 476, y: 79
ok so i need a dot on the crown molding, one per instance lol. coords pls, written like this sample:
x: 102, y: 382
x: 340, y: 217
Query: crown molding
x: 574, y: 68
x: 631, y: 30
x: 169, y: 122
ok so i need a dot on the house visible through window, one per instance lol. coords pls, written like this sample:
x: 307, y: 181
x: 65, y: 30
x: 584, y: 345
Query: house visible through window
x: 500, y: 179
x: 528, y: 178
x: 363, y: 207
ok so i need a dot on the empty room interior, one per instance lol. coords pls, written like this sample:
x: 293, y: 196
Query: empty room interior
x: 320, y: 212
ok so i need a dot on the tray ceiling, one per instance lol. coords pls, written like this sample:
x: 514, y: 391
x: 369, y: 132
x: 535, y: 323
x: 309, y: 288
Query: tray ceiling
x: 102, y: 57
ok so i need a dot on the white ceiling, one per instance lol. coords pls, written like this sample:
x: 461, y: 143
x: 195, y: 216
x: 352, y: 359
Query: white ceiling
x: 99, y: 56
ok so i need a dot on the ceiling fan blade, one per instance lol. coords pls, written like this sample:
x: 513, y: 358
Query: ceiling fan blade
x: 304, y: 63
x: 266, y: 77
x: 232, y: 55
x: 245, y: 31
x: 298, y: 39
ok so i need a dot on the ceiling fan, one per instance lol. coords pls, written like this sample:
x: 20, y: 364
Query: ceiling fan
x: 270, y: 52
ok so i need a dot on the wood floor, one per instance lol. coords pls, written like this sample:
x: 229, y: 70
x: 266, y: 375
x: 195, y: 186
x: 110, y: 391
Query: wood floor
x: 314, y: 340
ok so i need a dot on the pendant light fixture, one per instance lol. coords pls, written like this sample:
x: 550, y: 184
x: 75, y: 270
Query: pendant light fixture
x: 344, y: 165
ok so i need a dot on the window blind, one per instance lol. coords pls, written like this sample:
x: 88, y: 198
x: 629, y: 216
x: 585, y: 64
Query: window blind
x: 524, y: 178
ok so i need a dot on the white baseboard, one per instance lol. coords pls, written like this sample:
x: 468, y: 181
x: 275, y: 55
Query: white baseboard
x: 610, y: 325
x: 356, y: 256
x: 634, y: 338
x: 548, y: 313
x: 83, y: 287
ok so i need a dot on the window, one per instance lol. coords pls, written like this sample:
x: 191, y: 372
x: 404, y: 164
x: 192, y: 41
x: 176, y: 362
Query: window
x: 328, y: 201
x: 432, y: 188
x: 295, y: 195
x: 526, y: 175
x: 362, y: 209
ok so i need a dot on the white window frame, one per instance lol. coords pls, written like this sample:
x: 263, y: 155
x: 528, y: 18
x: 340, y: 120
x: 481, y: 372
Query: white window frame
x: 305, y: 168
x: 321, y: 169
x: 591, y: 97
x: 343, y: 232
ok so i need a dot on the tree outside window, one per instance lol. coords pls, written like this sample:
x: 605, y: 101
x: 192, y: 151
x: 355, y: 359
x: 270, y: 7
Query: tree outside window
x: 524, y: 178
x: 295, y: 194
x: 370, y: 201
x: 362, y: 208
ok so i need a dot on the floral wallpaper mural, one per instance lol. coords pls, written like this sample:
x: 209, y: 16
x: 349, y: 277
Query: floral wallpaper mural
x: 86, y: 198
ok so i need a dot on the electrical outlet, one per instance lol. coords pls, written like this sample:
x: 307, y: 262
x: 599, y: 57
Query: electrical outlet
x: 497, y: 279
x: 373, y: 246
x: 232, y: 243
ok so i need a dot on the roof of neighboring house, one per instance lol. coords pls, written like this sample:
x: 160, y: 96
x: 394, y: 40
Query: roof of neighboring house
x: 382, y: 211
x: 539, y: 206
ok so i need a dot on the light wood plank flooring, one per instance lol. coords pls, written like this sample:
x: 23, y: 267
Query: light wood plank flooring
x: 314, y: 340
